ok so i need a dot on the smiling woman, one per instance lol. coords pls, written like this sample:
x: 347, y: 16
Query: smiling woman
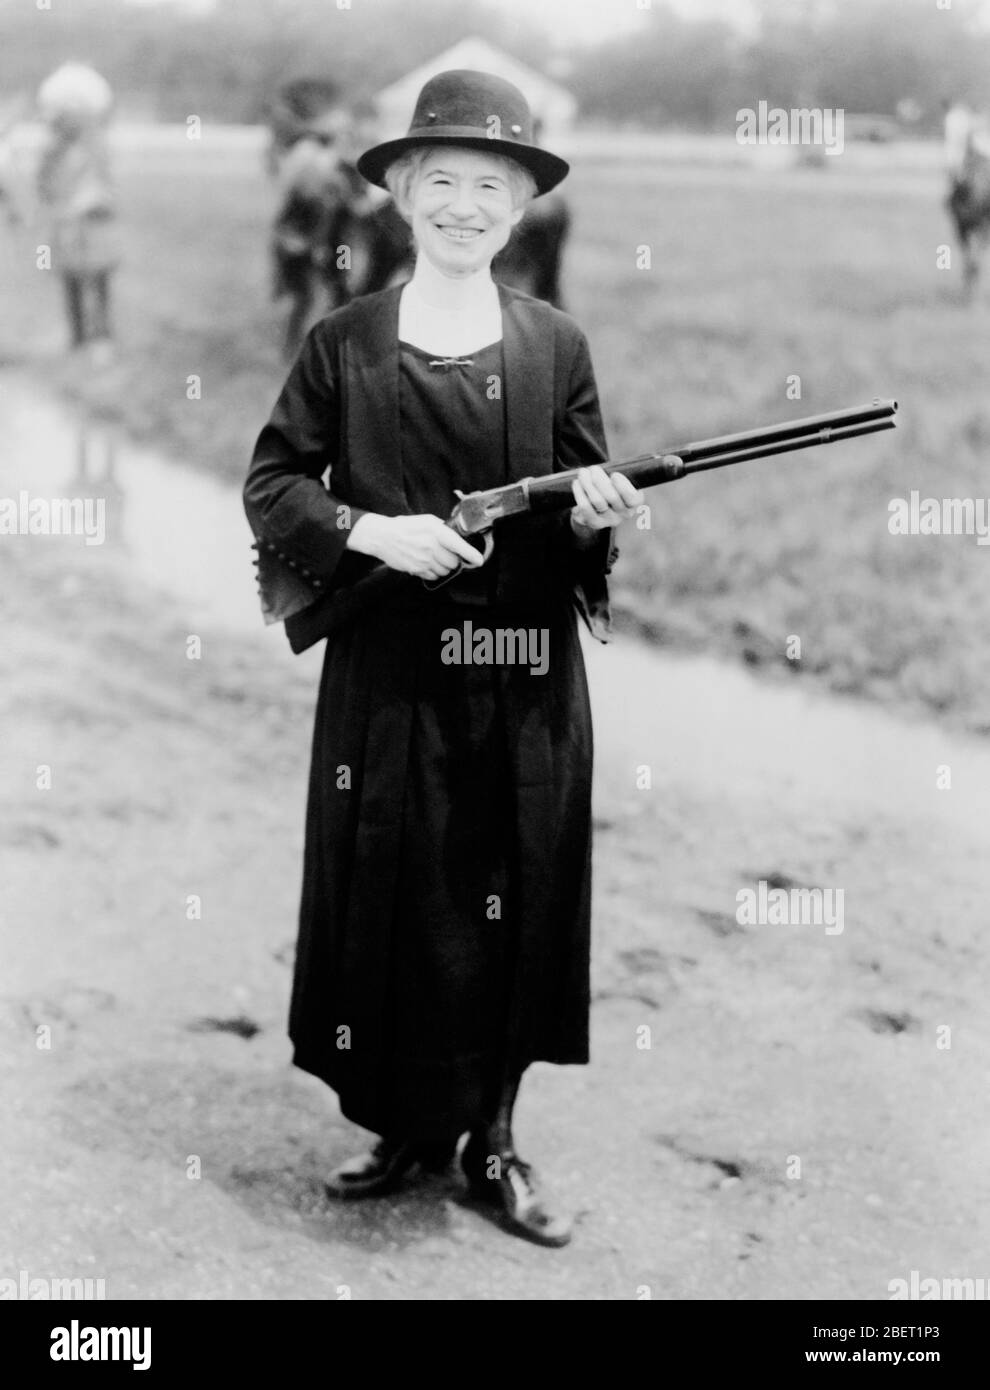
x: 444, y: 929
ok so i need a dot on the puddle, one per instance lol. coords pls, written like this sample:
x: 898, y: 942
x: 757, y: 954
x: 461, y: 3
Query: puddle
x: 175, y: 528
x: 722, y: 731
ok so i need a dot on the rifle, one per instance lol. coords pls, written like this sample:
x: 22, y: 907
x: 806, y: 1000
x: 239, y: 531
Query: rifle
x: 476, y: 513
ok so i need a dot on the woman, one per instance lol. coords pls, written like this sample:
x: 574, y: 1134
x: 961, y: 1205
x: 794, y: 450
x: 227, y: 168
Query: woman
x: 444, y: 929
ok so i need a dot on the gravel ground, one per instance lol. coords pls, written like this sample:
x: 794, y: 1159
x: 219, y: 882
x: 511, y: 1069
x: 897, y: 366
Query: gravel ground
x: 791, y: 1130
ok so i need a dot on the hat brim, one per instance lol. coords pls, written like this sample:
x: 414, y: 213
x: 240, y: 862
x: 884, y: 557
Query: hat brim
x: 547, y: 169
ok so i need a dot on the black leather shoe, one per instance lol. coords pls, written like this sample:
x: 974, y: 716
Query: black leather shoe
x: 515, y: 1188
x: 436, y: 1157
x: 373, y: 1173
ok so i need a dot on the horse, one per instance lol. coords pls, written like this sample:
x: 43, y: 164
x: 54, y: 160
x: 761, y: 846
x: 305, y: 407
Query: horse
x: 968, y: 157
x: 969, y: 207
x: 319, y: 192
x: 319, y: 195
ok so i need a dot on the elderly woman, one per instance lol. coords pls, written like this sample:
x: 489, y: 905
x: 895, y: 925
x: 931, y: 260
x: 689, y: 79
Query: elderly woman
x: 444, y: 932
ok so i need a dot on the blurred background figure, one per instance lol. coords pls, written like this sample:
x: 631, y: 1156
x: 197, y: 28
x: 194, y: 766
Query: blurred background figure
x: 319, y: 189
x: 967, y: 137
x: 533, y: 258
x: 75, y: 188
x: 307, y: 107
x: 967, y: 157
x: 11, y: 113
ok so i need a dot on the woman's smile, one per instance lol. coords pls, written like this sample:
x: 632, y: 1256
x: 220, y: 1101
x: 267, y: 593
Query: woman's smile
x: 459, y: 233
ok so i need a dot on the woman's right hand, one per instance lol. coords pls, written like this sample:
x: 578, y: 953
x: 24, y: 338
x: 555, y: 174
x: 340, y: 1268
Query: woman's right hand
x: 419, y: 545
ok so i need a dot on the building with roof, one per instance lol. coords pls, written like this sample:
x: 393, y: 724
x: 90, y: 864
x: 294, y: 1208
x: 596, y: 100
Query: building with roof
x: 552, y: 105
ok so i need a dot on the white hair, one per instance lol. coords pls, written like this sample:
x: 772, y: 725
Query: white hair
x: 402, y: 173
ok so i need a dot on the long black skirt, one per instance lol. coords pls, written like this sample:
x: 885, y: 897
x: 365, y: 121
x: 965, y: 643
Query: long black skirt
x: 444, y: 926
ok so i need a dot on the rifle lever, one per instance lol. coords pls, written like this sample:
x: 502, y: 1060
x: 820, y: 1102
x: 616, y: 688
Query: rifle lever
x: 483, y: 542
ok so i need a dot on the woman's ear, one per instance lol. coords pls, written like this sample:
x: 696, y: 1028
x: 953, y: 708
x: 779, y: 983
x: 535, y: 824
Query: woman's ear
x: 517, y: 215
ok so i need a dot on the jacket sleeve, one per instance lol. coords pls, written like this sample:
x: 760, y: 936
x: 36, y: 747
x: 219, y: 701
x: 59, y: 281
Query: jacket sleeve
x: 580, y: 442
x: 300, y: 526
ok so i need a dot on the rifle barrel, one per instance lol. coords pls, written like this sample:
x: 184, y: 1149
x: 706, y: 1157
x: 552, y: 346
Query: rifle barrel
x: 649, y: 470
x: 765, y: 449
x: 819, y: 426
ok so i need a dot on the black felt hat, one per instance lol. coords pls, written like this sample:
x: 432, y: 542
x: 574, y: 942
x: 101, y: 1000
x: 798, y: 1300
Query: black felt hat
x: 475, y: 110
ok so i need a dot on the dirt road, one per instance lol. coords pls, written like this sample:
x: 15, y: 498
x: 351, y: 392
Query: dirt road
x: 772, y: 1111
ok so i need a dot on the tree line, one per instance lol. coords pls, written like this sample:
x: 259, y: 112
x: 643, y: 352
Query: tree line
x: 167, y: 61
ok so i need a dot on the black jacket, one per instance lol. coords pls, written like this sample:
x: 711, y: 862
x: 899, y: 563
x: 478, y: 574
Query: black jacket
x: 339, y: 410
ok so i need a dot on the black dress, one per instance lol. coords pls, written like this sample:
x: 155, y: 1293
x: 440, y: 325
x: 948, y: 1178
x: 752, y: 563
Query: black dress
x: 441, y: 940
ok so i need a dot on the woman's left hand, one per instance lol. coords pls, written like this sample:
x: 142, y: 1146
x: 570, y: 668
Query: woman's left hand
x: 602, y: 499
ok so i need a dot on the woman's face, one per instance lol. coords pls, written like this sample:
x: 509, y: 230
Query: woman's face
x: 460, y: 208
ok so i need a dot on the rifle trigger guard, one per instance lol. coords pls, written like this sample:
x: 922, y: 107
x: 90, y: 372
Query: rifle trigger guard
x: 488, y: 541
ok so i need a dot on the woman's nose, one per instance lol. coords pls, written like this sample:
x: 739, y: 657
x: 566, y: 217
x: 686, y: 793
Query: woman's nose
x: 463, y: 202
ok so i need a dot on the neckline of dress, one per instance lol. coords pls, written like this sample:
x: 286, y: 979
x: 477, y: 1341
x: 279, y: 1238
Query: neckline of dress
x: 447, y: 356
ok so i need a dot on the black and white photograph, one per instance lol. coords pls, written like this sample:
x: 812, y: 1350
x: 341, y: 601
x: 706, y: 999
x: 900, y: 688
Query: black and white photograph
x: 494, y: 524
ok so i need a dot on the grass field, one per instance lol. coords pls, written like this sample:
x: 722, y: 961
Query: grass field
x: 754, y: 279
